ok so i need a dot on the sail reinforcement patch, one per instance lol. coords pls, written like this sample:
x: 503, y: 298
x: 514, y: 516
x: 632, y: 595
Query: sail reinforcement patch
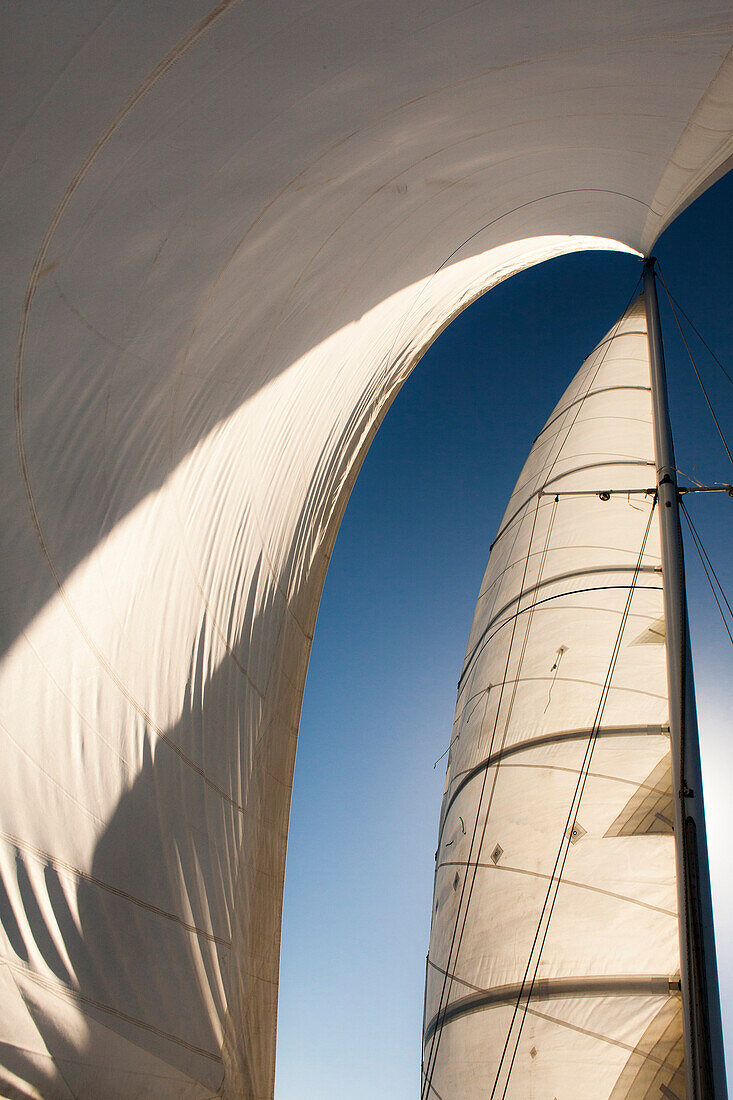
x: 576, y: 832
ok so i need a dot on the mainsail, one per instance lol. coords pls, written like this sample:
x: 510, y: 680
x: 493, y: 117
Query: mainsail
x: 554, y: 966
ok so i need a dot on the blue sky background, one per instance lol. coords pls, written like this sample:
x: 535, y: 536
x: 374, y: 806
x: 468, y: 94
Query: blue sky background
x: 392, y: 631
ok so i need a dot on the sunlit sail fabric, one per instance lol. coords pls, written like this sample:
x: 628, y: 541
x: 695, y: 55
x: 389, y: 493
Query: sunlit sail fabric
x: 555, y: 910
x: 231, y: 231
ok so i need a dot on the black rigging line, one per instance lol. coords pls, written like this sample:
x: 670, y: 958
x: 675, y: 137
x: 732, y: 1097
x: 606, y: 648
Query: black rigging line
x: 708, y: 567
x: 564, y: 846
x: 694, y: 367
x: 695, y: 329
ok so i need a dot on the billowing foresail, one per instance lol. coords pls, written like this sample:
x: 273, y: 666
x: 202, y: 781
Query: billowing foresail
x: 554, y: 960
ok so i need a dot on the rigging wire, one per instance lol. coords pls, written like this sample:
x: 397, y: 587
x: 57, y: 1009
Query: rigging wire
x: 695, y: 329
x: 564, y: 846
x: 450, y: 746
x: 694, y: 367
x: 708, y: 567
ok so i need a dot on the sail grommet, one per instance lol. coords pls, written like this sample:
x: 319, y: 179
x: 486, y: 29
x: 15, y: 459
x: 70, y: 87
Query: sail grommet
x: 604, y: 495
x: 576, y: 832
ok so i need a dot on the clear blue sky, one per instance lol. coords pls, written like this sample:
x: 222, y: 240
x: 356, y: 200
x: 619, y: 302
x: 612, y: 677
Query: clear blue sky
x: 392, y: 631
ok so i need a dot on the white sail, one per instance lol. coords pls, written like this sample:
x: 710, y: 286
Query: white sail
x: 232, y: 231
x: 554, y: 958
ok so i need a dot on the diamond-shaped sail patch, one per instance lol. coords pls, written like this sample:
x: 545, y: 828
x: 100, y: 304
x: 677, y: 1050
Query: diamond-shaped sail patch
x: 575, y: 832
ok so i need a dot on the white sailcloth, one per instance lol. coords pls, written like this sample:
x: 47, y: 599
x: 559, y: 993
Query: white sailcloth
x: 554, y: 961
x: 232, y: 230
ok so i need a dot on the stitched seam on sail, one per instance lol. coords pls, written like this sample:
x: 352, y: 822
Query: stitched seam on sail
x: 592, y: 393
x: 540, y: 742
x: 75, y: 995
x: 55, y: 861
x: 608, y: 340
x: 590, y: 571
x: 562, y: 680
x: 559, y: 596
x: 513, y: 562
x: 636, y: 985
x: 567, y: 882
x: 559, y: 477
x: 596, y: 1034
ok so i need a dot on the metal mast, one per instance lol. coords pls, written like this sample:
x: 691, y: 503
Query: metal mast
x: 703, y: 1035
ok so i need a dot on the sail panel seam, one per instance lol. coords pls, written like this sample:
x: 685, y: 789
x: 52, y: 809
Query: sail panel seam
x: 57, y: 863
x: 591, y: 393
x: 648, y: 491
x: 567, y: 882
x: 589, y: 571
x: 649, y: 1055
x: 550, y: 739
x: 621, y: 985
x: 562, y: 680
x: 61, y: 990
x: 567, y: 473
x: 558, y: 596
